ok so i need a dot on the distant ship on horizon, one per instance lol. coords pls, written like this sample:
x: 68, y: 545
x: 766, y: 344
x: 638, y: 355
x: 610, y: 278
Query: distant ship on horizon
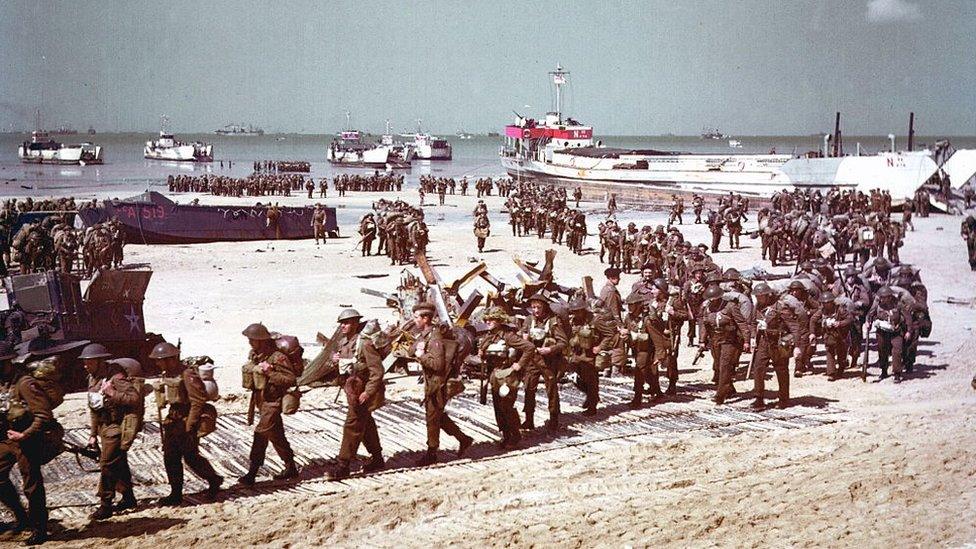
x: 239, y: 129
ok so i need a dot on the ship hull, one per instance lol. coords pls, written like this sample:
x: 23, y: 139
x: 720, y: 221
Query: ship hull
x: 183, y: 153
x: 377, y: 157
x: 67, y: 155
x: 154, y: 219
x: 753, y: 175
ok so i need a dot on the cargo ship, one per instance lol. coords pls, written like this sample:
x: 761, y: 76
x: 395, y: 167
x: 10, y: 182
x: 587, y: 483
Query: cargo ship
x: 151, y: 218
x: 239, y: 130
x: 561, y: 150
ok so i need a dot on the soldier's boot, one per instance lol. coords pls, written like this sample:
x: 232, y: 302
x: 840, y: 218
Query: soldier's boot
x: 529, y: 423
x: 758, y: 404
x: 340, y: 471
x: 290, y: 471
x: 375, y: 464
x: 429, y: 458
x: 173, y: 499
x: 464, y: 443
x: 9, y: 497
x: 127, y: 502
x: 213, y: 487
x: 552, y: 424
x: 37, y: 537
x: 248, y: 478
x: 672, y: 388
x: 103, y: 511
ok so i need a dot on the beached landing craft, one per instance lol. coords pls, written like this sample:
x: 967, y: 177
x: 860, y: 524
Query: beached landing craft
x: 41, y: 149
x: 428, y: 147
x: 151, y: 218
x: 349, y: 149
x: 562, y: 150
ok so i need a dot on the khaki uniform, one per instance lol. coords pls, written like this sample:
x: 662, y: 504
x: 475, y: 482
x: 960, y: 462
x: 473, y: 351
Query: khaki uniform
x: 106, y: 424
x: 545, y: 333
x: 366, y: 377
x: 505, y: 415
x: 724, y: 331
x: 835, y: 329
x: 26, y: 453
x: 271, y: 427
x: 778, y: 329
x: 611, y: 300
x: 436, y: 371
x: 181, y: 438
x: 582, y: 360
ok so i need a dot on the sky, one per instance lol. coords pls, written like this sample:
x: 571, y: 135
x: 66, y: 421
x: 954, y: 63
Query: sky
x: 746, y: 67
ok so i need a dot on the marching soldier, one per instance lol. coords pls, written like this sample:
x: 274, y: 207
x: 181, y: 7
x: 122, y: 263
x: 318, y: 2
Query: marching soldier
x: 715, y: 225
x: 833, y: 323
x: 26, y: 411
x: 634, y: 331
x: 582, y: 354
x: 779, y: 326
x: 367, y: 230
x: 361, y: 369
x: 610, y: 295
x: 433, y: 351
x: 183, y: 391
x: 888, y: 320
x: 546, y: 333
x: 272, y: 375
x: 508, y: 355
x: 110, y: 396
x: 698, y: 204
x: 482, y: 228
x: 724, y: 332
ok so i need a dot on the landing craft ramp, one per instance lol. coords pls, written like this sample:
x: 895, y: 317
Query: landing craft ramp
x: 315, y: 435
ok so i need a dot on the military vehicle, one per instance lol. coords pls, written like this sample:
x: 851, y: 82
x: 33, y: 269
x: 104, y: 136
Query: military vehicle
x: 47, y: 314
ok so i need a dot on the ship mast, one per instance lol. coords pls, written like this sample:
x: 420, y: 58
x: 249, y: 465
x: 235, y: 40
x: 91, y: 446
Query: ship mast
x: 558, y: 79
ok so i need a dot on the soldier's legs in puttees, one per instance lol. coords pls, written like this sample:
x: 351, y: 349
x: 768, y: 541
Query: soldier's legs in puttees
x: 884, y: 352
x: 759, y: 368
x: 781, y: 365
x: 897, y: 364
x: 715, y: 349
x: 506, y: 416
x: 531, y: 381
x: 726, y: 369
x: 641, y: 371
x: 113, y: 465
x: 276, y: 436
x: 831, y: 357
x: 173, y: 458
x: 29, y: 465
x: 197, y: 463
x: 550, y: 376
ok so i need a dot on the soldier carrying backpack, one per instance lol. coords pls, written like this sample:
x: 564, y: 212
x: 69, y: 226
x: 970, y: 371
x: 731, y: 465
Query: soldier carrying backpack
x: 25, y: 418
x: 115, y: 405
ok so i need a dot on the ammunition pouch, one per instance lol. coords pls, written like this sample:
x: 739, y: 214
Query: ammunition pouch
x: 130, y: 427
x: 454, y: 387
x: 167, y: 391
x: 247, y: 380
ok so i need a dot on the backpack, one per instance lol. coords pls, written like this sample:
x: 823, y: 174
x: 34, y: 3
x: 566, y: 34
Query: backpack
x: 49, y: 379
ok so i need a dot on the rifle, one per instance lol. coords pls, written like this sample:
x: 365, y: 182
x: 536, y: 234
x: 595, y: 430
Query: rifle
x: 251, y: 405
x: 699, y: 355
x: 92, y: 452
x: 864, y: 362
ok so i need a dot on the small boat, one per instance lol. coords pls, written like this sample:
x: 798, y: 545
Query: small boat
x: 349, y: 149
x: 462, y: 135
x: 735, y: 144
x: 167, y: 147
x: 41, y: 149
x: 713, y: 134
x: 151, y: 218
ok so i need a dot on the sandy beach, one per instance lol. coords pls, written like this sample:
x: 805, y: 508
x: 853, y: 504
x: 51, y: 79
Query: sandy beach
x: 895, y: 468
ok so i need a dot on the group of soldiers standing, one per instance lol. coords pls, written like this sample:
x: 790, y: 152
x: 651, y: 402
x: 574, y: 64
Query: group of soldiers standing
x: 398, y: 228
x: 256, y: 184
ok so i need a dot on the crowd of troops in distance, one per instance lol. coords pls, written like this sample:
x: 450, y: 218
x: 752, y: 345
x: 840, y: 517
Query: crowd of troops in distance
x: 282, y: 166
x: 52, y: 242
x: 838, y: 302
x: 543, y: 211
x: 256, y: 184
x: 447, y: 185
x: 377, y: 182
x: 397, y: 227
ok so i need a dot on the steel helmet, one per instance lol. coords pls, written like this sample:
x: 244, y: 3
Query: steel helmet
x: 661, y: 284
x: 797, y: 285
x: 826, y: 298
x: 885, y: 292
x: 164, y: 350
x: 256, y: 331
x: 131, y: 366
x: 713, y: 292
x: 94, y: 350
x: 762, y: 289
x: 348, y: 314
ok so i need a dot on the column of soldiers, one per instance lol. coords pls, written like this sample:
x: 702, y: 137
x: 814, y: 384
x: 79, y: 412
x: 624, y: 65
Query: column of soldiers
x: 398, y: 228
x: 256, y: 184
x: 282, y: 166
x: 542, y: 210
x: 377, y: 182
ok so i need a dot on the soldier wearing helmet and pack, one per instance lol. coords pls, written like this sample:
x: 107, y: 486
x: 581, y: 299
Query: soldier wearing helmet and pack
x: 26, y: 412
x: 890, y: 323
x: 545, y: 330
x: 582, y: 353
x: 183, y: 391
x: 725, y: 333
x: 269, y: 374
x: 436, y: 355
x: 779, y: 325
x: 832, y: 324
x: 111, y: 395
x: 508, y: 355
x: 361, y: 374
